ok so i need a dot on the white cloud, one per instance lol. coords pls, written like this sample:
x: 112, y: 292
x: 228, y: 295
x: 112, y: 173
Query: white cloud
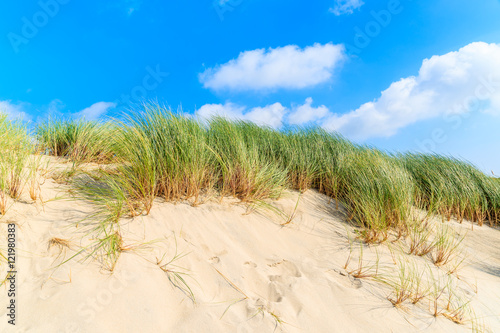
x: 288, y: 67
x: 305, y: 113
x: 274, y: 115
x: 14, y: 110
x: 457, y: 82
x: 270, y: 115
x: 55, y: 107
x: 342, y: 7
x: 229, y: 110
x: 95, y: 111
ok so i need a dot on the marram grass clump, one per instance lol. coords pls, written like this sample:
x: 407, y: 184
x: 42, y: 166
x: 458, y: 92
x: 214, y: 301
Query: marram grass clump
x: 378, y: 192
x: 243, y: 168
x: 453, y: 188
x: 15, y: 151
x: 82, y: 141
x: 159, y: 153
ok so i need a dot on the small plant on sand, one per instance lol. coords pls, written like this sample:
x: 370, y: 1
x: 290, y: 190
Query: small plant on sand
x: 175, y: 274
x: 350, y: 240
x: 64, y: 176
x: 288, y: 218
x: 102, y: 226
x: 283, y: 216
x: 264, y: 310
x: 437, y: 292
x: 420, y: 238
x: 245, y: 296
x: 363, y: 271
x: 58, y: 242
x: 412, y: 284
x: 3, y: 198
x: 35, y: 179
x: 457, y: 310
x: 446, y: 246
x: 408, y: 285
x: 107, y: 197
x: 107, y: 249
x: 402, y: 286
x: 456, y: 264
x: 420, y: 287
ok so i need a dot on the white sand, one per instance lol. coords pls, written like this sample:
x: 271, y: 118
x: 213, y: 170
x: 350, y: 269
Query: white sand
x: 247, y: 273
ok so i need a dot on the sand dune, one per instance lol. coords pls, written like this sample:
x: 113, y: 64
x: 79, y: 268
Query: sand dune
x: 219, y: 267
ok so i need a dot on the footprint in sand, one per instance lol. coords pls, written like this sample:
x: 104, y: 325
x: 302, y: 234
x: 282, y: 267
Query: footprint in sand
x: 274, y: 283
x: 250, y: 264
x: 273, y: 293
x: 287, y: 268
x: 291, y: 269
x: 214, y: 260
x: 282, y: 284
x: 284, y: 279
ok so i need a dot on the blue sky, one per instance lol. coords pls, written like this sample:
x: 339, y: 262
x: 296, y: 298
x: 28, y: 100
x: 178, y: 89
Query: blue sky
x: 402, y: 75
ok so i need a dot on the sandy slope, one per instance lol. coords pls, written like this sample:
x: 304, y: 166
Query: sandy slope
x: 247, y: 272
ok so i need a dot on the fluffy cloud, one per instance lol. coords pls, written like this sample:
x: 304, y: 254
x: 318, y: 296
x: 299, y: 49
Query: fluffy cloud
x: 455, y: 83
x: 96, y: 110
x: 342, y: 7
x: 13, y: 110
x: 288, y: 67
x: 270, y: 115
x: 305, y: 113
x: 274, y: 115
x: 53, y: 109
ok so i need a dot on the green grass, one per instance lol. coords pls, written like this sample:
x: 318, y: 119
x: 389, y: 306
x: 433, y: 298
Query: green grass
x: 80, y: 140
x: 159, y: 153
x: 245, y: 170
x: 453, y: 188
x: 156, y: 153
x: 164, y: 155
x: 15, y: 150
x: 378, y: 192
